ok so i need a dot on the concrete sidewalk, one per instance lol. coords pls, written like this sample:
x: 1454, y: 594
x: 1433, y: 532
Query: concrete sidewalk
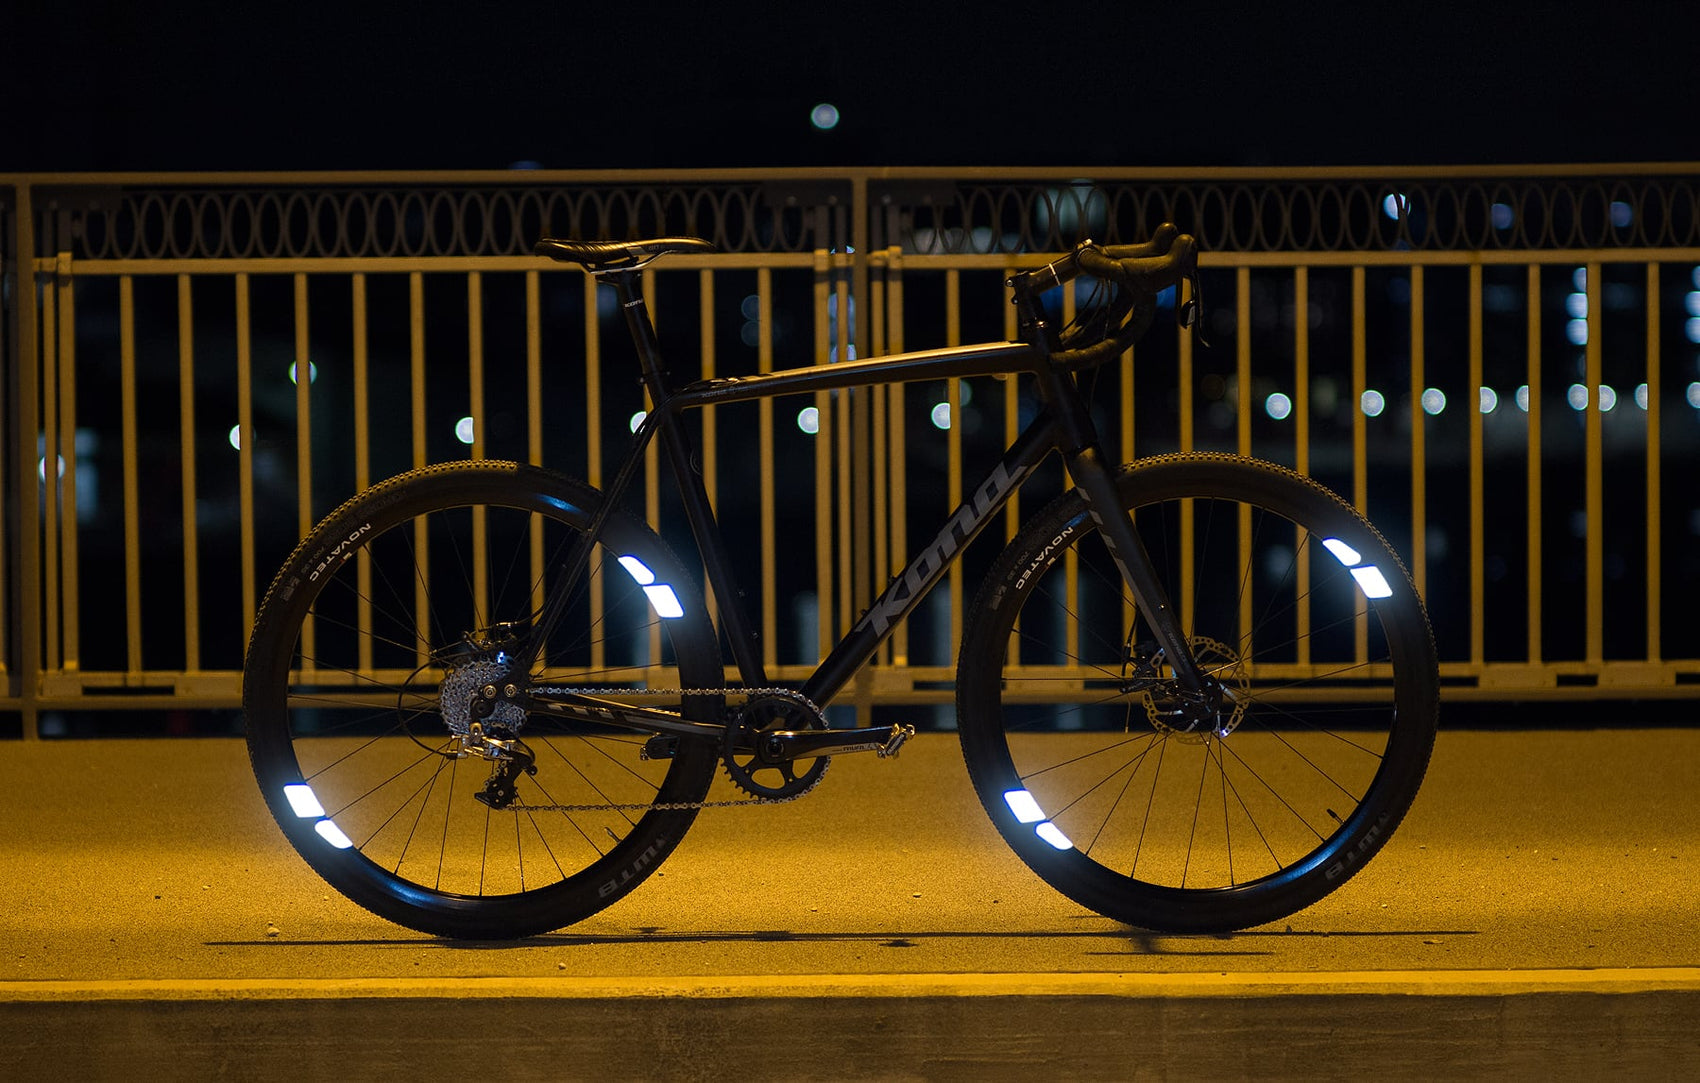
x: 1536, y: 912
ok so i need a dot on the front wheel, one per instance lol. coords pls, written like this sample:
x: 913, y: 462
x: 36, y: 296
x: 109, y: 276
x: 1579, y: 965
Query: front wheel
x: 1152, y: 808
x: 363, y: 684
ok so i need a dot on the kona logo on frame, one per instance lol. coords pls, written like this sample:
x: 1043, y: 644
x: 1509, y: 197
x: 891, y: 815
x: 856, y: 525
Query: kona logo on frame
x: 926, y: 568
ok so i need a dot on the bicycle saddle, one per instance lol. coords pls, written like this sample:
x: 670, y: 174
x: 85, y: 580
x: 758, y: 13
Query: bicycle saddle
x: 598, y: 257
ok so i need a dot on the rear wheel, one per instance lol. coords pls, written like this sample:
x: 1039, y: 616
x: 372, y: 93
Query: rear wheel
x: 1188, y: 817
x: 373, y: 645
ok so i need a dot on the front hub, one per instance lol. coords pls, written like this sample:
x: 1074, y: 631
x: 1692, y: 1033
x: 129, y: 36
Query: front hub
x: 1216, y: 710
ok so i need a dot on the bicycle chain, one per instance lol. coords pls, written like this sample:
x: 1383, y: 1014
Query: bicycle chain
x: 678, y: 806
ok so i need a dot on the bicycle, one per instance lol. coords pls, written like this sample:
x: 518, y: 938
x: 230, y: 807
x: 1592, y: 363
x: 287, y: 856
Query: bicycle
x: 1195, y: 693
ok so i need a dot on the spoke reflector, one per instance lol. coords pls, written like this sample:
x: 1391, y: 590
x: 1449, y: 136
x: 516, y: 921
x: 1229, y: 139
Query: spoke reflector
x: 304, y: 801
x: 666, y: 603
x: 1025, y: 808
x: 1343, y: 552
x: 1048, y: 831
x: 333, y: 834
x: 1374, y: 584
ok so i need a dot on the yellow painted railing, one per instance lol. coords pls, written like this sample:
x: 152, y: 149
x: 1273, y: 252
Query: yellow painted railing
x: 1499, y: 368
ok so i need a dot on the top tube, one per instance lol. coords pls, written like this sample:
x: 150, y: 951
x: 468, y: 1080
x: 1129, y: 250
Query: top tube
x: 951, y: 362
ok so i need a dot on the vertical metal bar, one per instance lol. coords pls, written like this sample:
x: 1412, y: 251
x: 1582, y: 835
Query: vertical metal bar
x: 26, y: 368
x: 51, y: 364
x: 245, y: 442
x: 1011, y: 430
x: 301, y: 372
x: 362, y: 466
x: 1301, y: 369
x: 1071, y: 555
x: 1242, y: 409
x: 764, y: 422
x: 1011, y: 409
x: 534, y: 423
x: 1478, y: 507
x: 186, y: 457
x: 1533, y: 515
x: 1242, y: 358
x: 9, y: 366
x: 823, y: 458
x: 593, y: 449
x: 898, y: 444
x: 64, y: 649
x: 1360, y: 439
x: 421, y: 537
x: 652, y: 464
x: 475, y: 405
x: 1301, y: 447
x: 953, y: 446
x: 1655, y: 574
x: 416, y: 356
x: 1188, y: 586
x: 709, y: 447
x: 475, y: 360
x: 1419, y: 432
x: 854, y: 312
x: 1594, y: 494
x: 362, y: 386
x: 880, y: 450
x: 132, y: 451
x: 842, y: 440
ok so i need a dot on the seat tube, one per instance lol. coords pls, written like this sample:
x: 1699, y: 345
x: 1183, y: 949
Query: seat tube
x: 684, y: 466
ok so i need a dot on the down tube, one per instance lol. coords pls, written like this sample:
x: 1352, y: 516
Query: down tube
x: 910, y: 586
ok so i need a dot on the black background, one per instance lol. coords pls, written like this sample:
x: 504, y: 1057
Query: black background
x: 117, y: 85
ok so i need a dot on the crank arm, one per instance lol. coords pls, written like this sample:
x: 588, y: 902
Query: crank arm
x: 805, y: 744
x: 606, y: 712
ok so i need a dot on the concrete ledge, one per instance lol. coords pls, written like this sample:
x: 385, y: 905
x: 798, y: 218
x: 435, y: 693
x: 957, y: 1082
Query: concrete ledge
x: 1433, y: 983
x: 1564, y: 1024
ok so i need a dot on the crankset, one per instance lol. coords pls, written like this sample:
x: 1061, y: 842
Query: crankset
x: 778, y: 745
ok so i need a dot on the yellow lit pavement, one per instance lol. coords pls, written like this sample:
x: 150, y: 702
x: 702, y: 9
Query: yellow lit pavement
x: 1538, y: 907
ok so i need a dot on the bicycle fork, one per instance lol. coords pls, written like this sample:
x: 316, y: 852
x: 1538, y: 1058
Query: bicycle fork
x: 1199, y: 695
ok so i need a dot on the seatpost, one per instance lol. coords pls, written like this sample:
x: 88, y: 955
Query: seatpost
x: 642, y: 328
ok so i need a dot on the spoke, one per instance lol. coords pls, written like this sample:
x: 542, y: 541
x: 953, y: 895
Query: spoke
x: 1252, y: 771
x: 1150, y: 800
x: 1197, y: 807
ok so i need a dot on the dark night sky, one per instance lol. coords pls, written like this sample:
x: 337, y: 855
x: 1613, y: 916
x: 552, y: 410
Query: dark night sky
x: 117, y: 85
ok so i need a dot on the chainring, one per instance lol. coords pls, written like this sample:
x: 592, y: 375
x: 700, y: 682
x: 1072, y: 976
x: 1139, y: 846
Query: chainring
x: 759, y: 769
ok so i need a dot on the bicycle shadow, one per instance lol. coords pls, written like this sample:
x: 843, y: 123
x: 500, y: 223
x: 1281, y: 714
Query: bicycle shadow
x: 1114, y: 942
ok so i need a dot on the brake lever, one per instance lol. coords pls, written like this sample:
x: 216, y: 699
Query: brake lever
x: 1190, y: 313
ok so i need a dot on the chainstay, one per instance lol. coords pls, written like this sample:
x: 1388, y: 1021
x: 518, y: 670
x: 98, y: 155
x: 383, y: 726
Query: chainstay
x: 677, y: 806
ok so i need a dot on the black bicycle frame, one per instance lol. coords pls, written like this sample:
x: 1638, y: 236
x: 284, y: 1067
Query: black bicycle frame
x: 1063, y: 424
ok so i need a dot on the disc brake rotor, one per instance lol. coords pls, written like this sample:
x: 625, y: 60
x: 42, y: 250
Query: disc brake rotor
x: 1168, y: 711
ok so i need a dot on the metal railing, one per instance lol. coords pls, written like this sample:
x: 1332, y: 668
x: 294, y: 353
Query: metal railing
x: 1499, y: 367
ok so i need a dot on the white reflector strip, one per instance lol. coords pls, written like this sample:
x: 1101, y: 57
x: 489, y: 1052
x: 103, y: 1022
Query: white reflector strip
x: 303, y: 801
x: 1343, y: 552
x: 1374, y: 584
x: 1025, y: 808
x: 333, y: 834
x: 1052, y: 834
x: 639, y: 570
x: 666, y: 603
